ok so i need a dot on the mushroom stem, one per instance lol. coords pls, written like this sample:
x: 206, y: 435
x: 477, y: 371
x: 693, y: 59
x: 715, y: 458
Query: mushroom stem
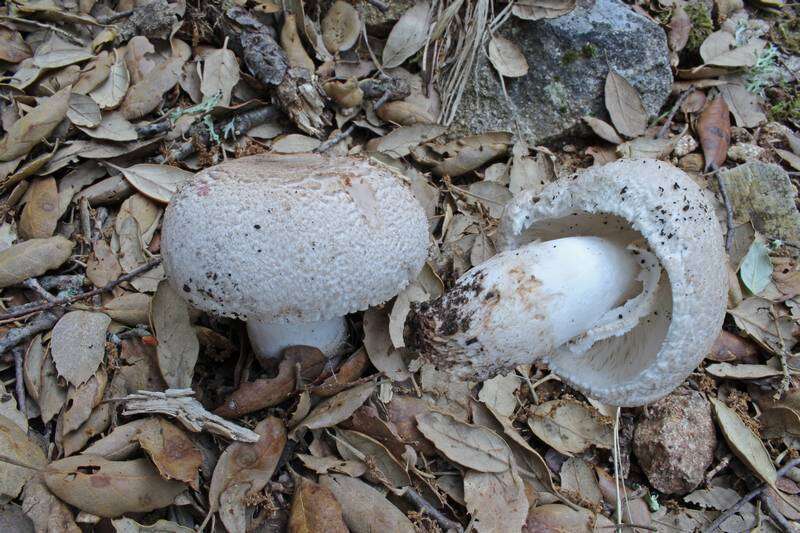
x: 269, y: 339
x: 522, y: 304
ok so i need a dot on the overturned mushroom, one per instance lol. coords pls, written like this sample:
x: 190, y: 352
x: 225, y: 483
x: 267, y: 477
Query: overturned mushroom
x: 615, y: 278
x: 292, y: 244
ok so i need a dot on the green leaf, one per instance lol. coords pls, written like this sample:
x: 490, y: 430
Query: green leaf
x: 756, y: 269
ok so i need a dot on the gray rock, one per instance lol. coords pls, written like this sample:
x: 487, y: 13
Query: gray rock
x: 674, y: 441
x: 568, y: 58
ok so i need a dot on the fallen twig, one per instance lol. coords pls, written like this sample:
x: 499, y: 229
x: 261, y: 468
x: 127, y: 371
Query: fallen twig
x: 772, y: 510
x: 19, y: 380
x: 413, y: 496
x: 330, y: 143
x: 726, y: 201
x: 41, y: 323
x: 664, y: 129
x: 749, y: 497
x: 181, y: 405
x: 239, y: 124
x: 36, y: 307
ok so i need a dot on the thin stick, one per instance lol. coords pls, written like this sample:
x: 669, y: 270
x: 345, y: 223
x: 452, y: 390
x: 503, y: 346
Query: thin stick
x: 330, y: 143
x: 749, y: 496
x: 726, y: 200
x: 662, y: 132
x: 775, y: 513
x: 616, y: 467
x: 413, y: 496
x: 27, y: 309
x: 41, y: 323
x: 19, y: 380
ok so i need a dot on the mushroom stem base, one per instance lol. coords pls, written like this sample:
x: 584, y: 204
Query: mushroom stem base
x: 269, y: 339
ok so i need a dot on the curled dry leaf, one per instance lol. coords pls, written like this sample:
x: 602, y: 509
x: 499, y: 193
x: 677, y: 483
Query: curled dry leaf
x: 290, y: 41
x: 177, y: 342
x: 112, y: 127
x: 399, y: 142
x: 52, y: 394
x: 94, y: 73
x: 624, y: 106
x: 110, y: 488
x: 295, y: 143
x: 40, y: 215
x: 220, y: 75
x: 83, y: 111
x: 408, y: 35
x: 338, y: 408
x: 472, y: 446
x: 570, y: 426
x: 315, y: 510
x: 31, y: 129
x: 404, y: 114
x: 744, y: 443
x: 603, y: 129
x: 341, y: 27
x: 496, y: 500
x: 127, y: 525
x: 714, y: 131
x: 507, y: 57
x: 346, y: 93
x: 379, y: 345
x: 131, y: 309
x: 112, y: 90
x: 542, y: 9
x: 57, y: 53
x: 243, y: 470
x: 82, y: 399
x: 13, y: 47
x: 78, y: 344
x: 157, y: 182
x: 121, y: 443
x: 720, y: 50
x: 103, y: 266
x: 262, y: 393
x: 499, y: 394
x: 352, y: 369
x: 171, y: 450
x: 679, y: 27
x: 146, y: 95
x: 17, y: 447
x: 355, y: 446
x: 365, y: 510
x: 48, y: 513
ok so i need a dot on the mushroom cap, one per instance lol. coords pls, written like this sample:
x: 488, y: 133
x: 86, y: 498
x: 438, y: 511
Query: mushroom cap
x: 293, y: 238
x: 654, y: 200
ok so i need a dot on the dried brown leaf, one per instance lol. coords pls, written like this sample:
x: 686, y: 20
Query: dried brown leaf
x: 744, y: 443
x: 171, y: 450
x: 714, y: 131
x: 13, y: 47
x: 293, y: 46
x: 542, y: 9
x: 157, y: 182
x: 112, y: 90
x: 16, y: 446
x: 78, y: 344
x: 112, y: 127
x: 603, y: 129
x: 507, y: 58
x: 83, y: 111
x: 496, y: 500
x: 127, y: 525
x: 315, y: 510
x: 52, y: 394
x: 341, y: 27
x: 245, y: 469
x: 177, y: 342
x: 679, y: 27
x: 103, y: 266
x: 110, y: 488
x: 220, y: 75
x: 337, y: 408
x: 365, y: 510
x: 40, y: 215
x: 146, y: 95
x: 48, y: 513
x: 82, y: 399
x: 378, y: 343
x: 131, y: 309
x: 355, y: 446
x: 624, y: 105
x: 472, y: 446
x: 408, y: 35
x: 40, y: 122
x: 570, y: 426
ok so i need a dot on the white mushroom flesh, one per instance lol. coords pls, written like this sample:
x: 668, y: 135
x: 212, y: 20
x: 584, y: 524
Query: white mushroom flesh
x: 526, y: 303
x: 269, y: 339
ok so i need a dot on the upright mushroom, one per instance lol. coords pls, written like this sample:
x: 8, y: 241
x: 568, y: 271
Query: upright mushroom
x: 292, y: 244
x: 616, y: 278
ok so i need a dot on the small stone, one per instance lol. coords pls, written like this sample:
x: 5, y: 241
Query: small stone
x: 691, y: 163
x: 569, y: 58
x: 685, y: 145
x: 674, y: 441
x: 744, y: 152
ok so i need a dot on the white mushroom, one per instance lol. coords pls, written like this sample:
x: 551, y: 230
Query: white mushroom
x: 616, y: 278
x: 292, y: 244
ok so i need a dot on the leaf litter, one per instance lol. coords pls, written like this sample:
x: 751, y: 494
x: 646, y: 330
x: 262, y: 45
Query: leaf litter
x: 102, y: 122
